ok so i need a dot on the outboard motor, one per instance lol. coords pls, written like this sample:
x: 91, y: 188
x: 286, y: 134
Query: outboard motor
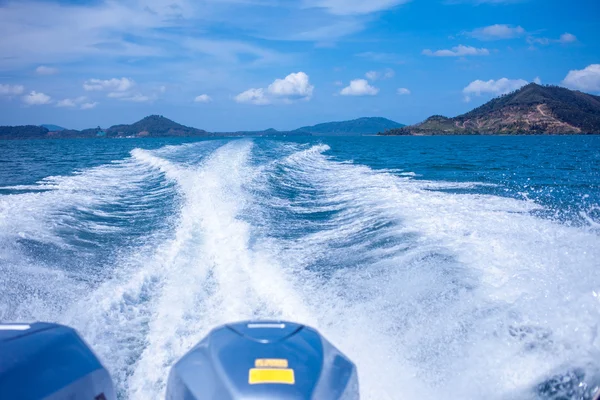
x: 49, y: 361
x: 242, y: 361
x: 263, y: 360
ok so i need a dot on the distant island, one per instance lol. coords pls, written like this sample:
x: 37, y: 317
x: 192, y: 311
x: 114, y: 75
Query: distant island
x: 531, y: 110
x: 159, y: 126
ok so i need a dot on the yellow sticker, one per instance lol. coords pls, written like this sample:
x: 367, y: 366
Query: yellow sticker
x: 271, y: 362
x: 258, y: 376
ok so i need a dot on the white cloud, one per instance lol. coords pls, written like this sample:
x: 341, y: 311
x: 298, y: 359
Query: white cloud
x: 138, y: 98
x: 385, y: 74
x: 295, y: 86
x: 338, y: 83
x: 567, y: 38
x: 35, y: 99
x: 114, y: 85
x: 372, y: 75
x: 11, y: 90
x: 402, y: 91
x: 44, y: 70
x: 537, y: 80
x: 359, y: 87
x: 498, y: 31
x: 88, y: 106
x: 587, y: 79
x: 253, y: 96
x: 71, y: 103
x: 203, y: 98
x: 349, y: 7
x: 494, y: 87
x: 381, y: 57
x: 457, y: 51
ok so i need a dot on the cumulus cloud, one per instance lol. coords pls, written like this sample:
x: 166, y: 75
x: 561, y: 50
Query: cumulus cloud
x: 295, y: 86
x: 587, y: 79
x: 36, y: 99
x: 88, y: 106
x: 71, y: 103
x: 11, y: 90
x: 350, y: 7
x: 359, y: 87
x: 457, y: 51
x: 402, y: 91
x: 113, y: 85
x: 494, y: 87
x: 537, y: 80
x: 203, y: 98
x: 44, y: 70
x: 498, y: 31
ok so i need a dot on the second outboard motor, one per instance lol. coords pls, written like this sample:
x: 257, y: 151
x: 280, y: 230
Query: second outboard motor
x: 263, y: 360
x: 51, y: 362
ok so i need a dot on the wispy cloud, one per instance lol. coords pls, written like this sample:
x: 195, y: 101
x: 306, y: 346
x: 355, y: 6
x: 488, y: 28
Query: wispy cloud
x: 44, y: 70
x: 71, y: 103
x: 350, y: 7
x: 113, y: 85
x: 497, y: 32
x: 565, y: 38
x: 391, y: 58
x: 376, y: 75
x: 88, y: 106
x: 11, y: 90
x: 457, y: 51
x: 402, y: 91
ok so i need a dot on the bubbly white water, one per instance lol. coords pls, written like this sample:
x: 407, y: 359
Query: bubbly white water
x: 432, y: 294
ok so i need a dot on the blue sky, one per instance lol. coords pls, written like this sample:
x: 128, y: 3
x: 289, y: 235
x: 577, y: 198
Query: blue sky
x: 227, y: 65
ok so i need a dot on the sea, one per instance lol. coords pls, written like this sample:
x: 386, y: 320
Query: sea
x: 444, y: 267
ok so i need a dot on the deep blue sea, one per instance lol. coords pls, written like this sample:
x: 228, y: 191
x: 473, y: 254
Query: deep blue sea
x: 445, y: 267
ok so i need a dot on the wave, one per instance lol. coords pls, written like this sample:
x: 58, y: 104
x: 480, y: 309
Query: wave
x: 432, y: 294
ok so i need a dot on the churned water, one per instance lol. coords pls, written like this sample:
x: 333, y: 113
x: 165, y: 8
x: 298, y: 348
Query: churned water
x: 445, y: 267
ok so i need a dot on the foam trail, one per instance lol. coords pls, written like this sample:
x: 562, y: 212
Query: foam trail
x: 463, y: 275
x: 432, y: 294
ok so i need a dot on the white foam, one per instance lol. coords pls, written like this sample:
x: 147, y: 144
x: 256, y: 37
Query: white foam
x: 432, y: 294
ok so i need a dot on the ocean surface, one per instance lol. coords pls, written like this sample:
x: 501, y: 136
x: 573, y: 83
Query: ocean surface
x: 445, y: 267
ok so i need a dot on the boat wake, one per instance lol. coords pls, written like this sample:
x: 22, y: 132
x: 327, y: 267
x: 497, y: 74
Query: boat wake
x: 432, y: 292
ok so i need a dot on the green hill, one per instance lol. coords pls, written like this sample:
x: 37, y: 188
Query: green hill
x: 533, y: 109
x: 360, y: 126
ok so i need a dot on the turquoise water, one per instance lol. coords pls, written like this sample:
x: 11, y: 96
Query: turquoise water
x: 445, y: 267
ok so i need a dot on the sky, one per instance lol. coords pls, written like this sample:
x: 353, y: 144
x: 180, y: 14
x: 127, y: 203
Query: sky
x: 227, y: 65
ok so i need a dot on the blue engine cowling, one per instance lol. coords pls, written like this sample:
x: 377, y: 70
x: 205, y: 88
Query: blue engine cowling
x: 263, y: 360
x: 49, y: 361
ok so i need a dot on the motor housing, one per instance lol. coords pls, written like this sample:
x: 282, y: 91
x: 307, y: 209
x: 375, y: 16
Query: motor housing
x: 263, y: 360
x: 51, y: 362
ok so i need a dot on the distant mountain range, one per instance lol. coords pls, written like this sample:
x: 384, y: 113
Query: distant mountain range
x: 360, y: 126
x: 533, y: 109
x: 159, y: 126
x: 53, y: 128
